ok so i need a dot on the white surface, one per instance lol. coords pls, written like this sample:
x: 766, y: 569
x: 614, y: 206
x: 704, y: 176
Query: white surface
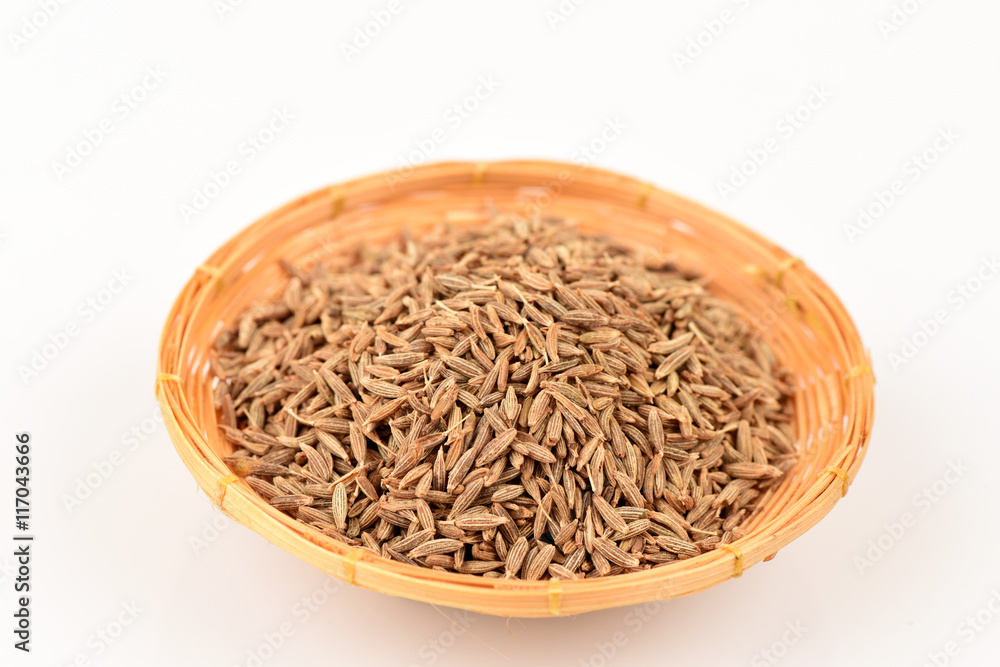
x: 63, y: 241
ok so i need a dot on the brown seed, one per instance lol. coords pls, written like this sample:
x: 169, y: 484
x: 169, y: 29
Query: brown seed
x: 290, y: 502
x: 496, y: 447
x: 672, y: 345
x: 539, y: 563
x: 435, y: 548
x: 479, y: 566
x: 608, y: 514
x: 478, y: 522
x: 400, y: 359
x: 748, y: 470
x: 507, y: 493
x: 466, y: 498
x: 561, y: 403
x: 383, y: 388
x: 656, y: 431
x: 515, y: 556
x: 318, y: 465
x: 339, y: 506
x: 414, y: 540
x: 673, y: 362
x: 615, y: 555
x: 359, y: 444
x: 678, y: 546
x: 526, y: 445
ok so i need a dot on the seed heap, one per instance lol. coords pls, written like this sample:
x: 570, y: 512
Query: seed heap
x: 515, y: 400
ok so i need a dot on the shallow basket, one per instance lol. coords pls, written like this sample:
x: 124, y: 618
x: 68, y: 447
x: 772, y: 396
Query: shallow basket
x: 796, y: 312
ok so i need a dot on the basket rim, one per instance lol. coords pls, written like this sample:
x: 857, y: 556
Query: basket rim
x: 356, y: 565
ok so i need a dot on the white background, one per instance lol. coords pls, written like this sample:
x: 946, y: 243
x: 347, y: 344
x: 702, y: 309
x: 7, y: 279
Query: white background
x: 858, y: 590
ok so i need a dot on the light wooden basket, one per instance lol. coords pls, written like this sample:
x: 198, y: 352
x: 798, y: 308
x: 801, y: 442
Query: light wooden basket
x: 797, y: 313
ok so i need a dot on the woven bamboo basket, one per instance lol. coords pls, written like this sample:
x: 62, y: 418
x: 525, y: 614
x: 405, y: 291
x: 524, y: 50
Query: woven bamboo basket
x: 799, y: 316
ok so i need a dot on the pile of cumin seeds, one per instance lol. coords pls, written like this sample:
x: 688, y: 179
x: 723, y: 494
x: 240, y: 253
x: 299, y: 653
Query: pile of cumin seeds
x: 514, y: 399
